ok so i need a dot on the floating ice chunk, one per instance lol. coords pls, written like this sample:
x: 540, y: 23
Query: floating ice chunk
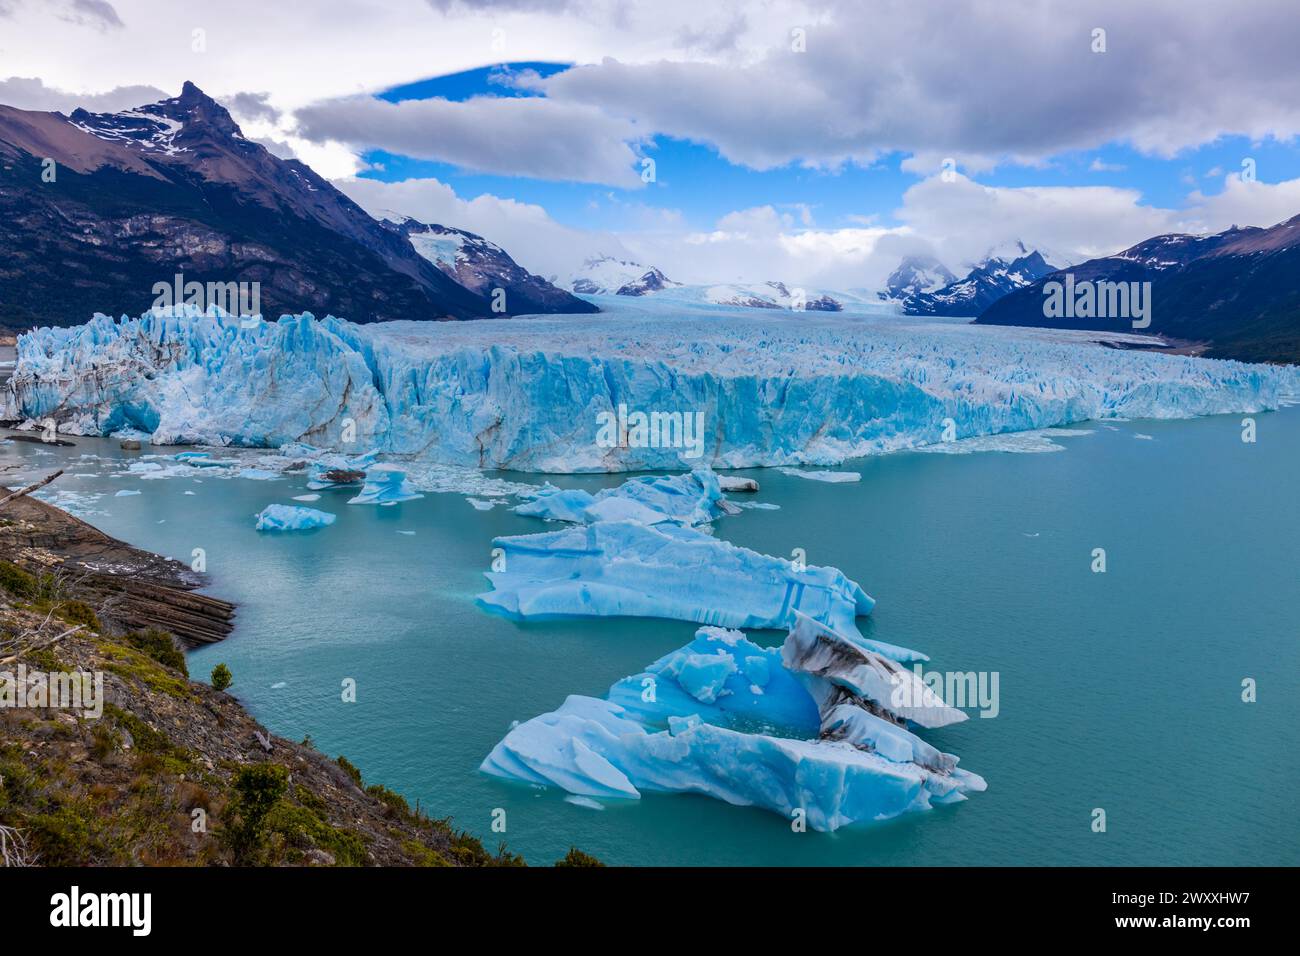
x: 833, y: 477
x: 590, y: 748
x: 1143, y: 437
x: 292, y: 518
x: 307, y: 498
x: 737, y: 483
x: 812, y: 648
x: 697, y: 721
x: 258, y: 474
x: 622, y: 568
x: 715, y: 677
x: 385, y: 485
x: 693, y: 498
x: 124, y: 493
x: 479, y: 505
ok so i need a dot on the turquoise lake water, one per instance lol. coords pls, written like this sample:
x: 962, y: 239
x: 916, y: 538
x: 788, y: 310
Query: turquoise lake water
x: 1119, y: 691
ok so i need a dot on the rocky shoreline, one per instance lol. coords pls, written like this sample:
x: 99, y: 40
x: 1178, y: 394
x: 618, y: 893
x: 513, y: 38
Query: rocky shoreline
x: 154, y: 768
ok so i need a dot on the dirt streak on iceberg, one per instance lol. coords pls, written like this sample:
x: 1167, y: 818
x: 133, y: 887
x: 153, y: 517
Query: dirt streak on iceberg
x: 529, y: 395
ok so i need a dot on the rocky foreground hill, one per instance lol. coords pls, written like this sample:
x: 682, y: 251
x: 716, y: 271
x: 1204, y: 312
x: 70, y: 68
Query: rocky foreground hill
x: 173, y: 771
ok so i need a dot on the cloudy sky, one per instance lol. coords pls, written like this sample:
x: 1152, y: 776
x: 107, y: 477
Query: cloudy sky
x: 815, y: 142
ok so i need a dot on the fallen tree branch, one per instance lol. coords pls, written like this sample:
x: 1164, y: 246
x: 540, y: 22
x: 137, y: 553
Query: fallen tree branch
x: 41, y: 646
x: 29, y: 489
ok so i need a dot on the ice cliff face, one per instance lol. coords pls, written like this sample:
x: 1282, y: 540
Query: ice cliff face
x: 536, y: 395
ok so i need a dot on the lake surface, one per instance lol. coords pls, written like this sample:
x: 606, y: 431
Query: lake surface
x: 1119, y: 691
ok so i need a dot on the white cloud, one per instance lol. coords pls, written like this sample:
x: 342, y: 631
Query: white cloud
x: 31, y: 93
x: 526, y: 136
x: 526, y: 231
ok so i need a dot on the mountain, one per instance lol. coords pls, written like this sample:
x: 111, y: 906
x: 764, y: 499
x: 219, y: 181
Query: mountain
x: 916, y: 274
x: 1001, y: 272
x: 175, y: 187
x: 1237, y: 292
x: 769, y: 295
x: 482, y: 266
x: 605, y: 275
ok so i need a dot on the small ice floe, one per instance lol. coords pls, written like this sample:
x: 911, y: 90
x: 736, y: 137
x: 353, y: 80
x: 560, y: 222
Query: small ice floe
x: 279, y: 685
x: 306, y: 497
x: 189, y: 492
x: 291, y: 518
x: 405, y: 532
x: 258, y: 474
x: 586, y: 802
x: 385, y: 485
x: 1143, y: 437
x: 1014, y: 443
x: 1030, y: 534
x: 736, y: 483
x: 480, y: 505
x: 126, y: 493
x: 694, y: 498
x: 834, y: 477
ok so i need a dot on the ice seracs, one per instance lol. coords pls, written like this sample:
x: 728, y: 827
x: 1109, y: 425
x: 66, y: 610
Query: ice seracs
x: 528, y: 396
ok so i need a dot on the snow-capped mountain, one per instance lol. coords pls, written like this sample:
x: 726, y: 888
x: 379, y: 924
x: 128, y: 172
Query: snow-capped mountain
x: 482, y: 266
x: 1003, y: 270
x: 1235, y: 292
x: 175, y: 187
x: 770, y: 295
x: 916, y: 274
x: 606, y: 275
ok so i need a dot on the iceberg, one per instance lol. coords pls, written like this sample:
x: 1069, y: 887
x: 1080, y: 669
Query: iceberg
x: 530, y: 396
x: 385, y: 485
x: 629, y: 569
x: 292, y: 518
x: 694, y: 498
x: 726, y: 718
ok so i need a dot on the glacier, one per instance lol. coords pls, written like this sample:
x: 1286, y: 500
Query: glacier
x: 527, y: 394
x: 629, y: 569
x: 727, y: 718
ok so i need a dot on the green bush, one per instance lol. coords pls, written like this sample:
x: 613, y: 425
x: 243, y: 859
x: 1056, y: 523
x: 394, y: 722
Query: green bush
x: 221, y: 678
x: 576, y: 857
x: 159, y: 645
x: 257, y: 790
x: 19, y: 583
